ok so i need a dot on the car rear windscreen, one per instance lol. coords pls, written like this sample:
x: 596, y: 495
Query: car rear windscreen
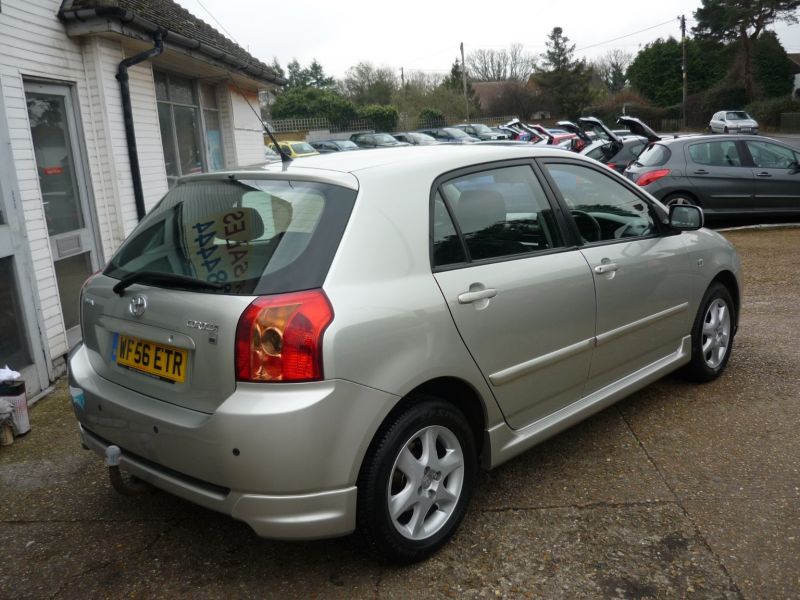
x: 252, y: 237
x: 653, y: 156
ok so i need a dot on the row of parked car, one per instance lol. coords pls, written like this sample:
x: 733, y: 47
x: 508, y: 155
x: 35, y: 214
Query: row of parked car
x: 724, y: 174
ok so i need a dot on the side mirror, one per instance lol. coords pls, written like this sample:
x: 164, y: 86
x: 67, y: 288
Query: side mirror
x: 686, y: 217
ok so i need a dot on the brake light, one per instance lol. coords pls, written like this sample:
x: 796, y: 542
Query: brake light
x: 279, y: 338
x: 651, y: 176
x: 612, y: 166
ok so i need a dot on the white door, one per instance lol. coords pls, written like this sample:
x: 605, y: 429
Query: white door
x: 20, y: 342
x: 61, y: 169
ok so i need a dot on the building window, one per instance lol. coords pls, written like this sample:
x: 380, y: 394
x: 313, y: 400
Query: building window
x: 190, y: 144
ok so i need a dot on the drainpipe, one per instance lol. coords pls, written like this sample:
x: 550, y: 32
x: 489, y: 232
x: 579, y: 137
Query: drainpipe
x: 127, y: 111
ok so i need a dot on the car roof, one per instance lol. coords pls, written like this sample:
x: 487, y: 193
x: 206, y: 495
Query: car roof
x: 339, y: 167
x: 716, y: 137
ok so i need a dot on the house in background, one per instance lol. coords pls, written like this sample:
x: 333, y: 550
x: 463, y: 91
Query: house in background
x: 103, y: 105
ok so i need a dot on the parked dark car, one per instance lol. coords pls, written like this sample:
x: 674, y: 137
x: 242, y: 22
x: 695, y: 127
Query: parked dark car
x: 328, y: 146
x: 482, y: 132
x: 725, y: 174
x: 450, y: 134
x: 611, y: 149
x: 415, y: 138
x: 375, y: 140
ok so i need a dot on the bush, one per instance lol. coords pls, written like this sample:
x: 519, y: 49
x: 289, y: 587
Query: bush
x: 723, y: 96
x: 431, y: 117
x: 383, y: 116
x: 309, y: 103
x: 768, y: 112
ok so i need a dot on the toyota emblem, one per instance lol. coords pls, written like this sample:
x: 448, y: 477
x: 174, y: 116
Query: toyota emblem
x: 137, y: 306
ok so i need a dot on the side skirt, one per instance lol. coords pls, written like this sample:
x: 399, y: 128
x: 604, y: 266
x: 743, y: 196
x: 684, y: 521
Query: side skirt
x: 506, y: 443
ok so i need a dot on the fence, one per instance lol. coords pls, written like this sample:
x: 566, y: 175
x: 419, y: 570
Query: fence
x: 790, y: 122
x: 303, y: 126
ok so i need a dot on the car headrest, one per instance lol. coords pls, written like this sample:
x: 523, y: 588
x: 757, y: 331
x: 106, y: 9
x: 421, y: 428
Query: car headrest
x: 480, y: 209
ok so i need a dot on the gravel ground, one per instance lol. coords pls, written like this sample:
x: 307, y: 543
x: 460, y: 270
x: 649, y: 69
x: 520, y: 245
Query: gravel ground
x: 680, y: 491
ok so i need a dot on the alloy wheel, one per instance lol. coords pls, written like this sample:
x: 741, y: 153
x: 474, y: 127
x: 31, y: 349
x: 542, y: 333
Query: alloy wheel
x: 426, y: 482
x: 716, y: 333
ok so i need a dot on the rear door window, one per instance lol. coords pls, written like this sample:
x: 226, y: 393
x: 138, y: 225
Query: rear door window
x: 252, y: 237
x: 716, y: 154
x: 502, y: 212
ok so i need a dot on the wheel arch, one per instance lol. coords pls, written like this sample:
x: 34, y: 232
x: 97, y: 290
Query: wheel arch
x: 728, y: 279
x: 455, y: 391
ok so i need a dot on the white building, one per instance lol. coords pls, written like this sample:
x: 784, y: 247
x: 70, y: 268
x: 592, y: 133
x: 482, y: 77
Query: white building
x: 68, y: 192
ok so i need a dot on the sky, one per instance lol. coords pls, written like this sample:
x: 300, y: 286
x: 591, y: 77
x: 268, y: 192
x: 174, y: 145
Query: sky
x: 425, y: 35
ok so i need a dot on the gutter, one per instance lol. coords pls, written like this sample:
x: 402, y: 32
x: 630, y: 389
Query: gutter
x: 125, y: 16
x: 127, y: 113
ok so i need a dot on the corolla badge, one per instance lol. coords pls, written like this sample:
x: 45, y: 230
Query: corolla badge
x: 137, y: 306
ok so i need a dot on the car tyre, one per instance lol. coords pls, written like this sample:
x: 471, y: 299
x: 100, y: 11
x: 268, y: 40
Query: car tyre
x: 416, y: 481
x: 679, y: 198
x: 712, y: 335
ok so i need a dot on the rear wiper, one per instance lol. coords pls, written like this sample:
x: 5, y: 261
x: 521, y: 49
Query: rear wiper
x: 181, y: 281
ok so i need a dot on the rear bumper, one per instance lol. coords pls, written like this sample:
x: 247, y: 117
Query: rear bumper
x: 282, y: 458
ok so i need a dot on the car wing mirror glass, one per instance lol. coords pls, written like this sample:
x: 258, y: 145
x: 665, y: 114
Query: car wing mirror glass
x: 685, y: 217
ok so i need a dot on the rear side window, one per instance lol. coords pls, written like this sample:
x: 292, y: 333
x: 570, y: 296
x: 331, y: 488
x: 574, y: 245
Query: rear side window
x: 252, y: 237
x: 502, y: 212
x: 716, y: 154
x: 653, y: 156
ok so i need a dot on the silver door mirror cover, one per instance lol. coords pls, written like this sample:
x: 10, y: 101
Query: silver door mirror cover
x: 686, y: 217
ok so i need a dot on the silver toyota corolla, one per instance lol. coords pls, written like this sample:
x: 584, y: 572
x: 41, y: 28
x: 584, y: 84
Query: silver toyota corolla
x: 339, y: 344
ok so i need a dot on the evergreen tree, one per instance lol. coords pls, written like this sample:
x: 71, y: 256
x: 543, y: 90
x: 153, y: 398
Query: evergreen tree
x: 565, y: 80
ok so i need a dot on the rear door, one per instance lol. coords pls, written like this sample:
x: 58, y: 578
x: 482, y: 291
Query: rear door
x: 643, y: 281
x: 522, y: 299
x: 720, y: 175
x: 777, y: 176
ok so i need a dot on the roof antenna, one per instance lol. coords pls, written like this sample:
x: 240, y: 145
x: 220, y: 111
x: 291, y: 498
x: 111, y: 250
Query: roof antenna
x: 285, y: 158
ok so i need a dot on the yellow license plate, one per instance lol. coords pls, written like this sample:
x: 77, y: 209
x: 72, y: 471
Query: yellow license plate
x: 164, y: 362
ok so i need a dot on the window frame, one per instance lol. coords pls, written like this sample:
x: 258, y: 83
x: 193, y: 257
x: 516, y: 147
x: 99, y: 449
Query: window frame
x: 660, y: 218
x: 196, y: 84
x: 745, y: 151
x: 563, y: 230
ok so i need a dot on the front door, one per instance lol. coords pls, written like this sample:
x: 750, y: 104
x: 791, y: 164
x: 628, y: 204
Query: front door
x: 642, y: 278
x: 62, y: 179
x: 777, y: 176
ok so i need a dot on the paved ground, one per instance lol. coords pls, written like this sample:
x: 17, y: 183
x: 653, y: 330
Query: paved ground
x: 678, y: 492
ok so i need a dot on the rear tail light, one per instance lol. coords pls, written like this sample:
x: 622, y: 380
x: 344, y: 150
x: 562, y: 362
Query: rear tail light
x: 651, y: 176
x: 279, y: 338
x: 612, y: 166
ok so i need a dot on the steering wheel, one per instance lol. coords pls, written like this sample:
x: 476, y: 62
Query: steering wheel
x: 588, y: 226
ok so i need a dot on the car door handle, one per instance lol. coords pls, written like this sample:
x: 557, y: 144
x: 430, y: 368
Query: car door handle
x: 469, y: 297
x: 701, y: 172
x: 763, y: 174
x: 606, y: 268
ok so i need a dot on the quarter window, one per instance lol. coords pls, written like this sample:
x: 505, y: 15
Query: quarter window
x: 603, y: 209
x: 502, y: 212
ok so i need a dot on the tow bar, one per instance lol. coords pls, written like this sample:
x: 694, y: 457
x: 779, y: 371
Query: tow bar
x: 126, y: 488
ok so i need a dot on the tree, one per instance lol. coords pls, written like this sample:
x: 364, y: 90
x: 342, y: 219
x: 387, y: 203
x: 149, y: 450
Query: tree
x: 276, y: 66
x: 612, y: 68
x: 656, y: 70
x: 773, y: 70
x: 501, y: 65
x: 310, y: 102
x: 565, y: 80
x: 366, y: 84
x: 516, y: 98
x: 300, y: 77
x: 455, y: 83
x: 742, y: 21
x: 383, y: 117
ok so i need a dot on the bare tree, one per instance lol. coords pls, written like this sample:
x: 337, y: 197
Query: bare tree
x: 612, y: 67
x: 365, y: 83
x: 501, y: 65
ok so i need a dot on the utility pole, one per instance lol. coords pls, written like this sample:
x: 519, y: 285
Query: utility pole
x: 464, y: 80
x: 402, y: 79
x: 682, y: 19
